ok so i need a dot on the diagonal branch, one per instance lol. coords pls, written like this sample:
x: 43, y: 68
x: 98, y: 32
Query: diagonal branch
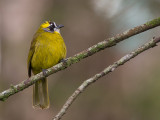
x: 76, y: 58
x: 107, y: 70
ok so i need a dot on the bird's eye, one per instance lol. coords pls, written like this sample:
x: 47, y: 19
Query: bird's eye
x: 52, y: 26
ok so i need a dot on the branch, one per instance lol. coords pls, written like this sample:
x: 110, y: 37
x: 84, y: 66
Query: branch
x: 107, y: 70
x: 76, y: 58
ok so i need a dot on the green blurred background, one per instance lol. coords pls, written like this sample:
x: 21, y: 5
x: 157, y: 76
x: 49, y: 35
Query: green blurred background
x: 129, y: 93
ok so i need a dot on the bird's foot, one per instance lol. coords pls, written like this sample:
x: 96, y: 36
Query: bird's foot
x: 63, y: 60
x: 44, y: 72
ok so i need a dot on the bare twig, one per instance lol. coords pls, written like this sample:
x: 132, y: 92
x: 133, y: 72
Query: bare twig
x: 107, y: 70
x: 76, y: 58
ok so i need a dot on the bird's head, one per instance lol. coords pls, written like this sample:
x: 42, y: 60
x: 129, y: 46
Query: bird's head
x: 51, y: 27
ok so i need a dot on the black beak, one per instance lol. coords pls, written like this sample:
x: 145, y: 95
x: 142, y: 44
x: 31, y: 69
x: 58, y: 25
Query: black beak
x: 60, y: 26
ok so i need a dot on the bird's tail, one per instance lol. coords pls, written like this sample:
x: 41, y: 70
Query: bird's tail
x: 40, y: 94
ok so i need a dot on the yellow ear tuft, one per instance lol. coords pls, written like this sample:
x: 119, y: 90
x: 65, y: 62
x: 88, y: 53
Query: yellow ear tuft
x: 45, y: 24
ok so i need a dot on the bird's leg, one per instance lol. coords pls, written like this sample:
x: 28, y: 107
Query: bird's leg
x: 63, y: 60
x: 44, y: 72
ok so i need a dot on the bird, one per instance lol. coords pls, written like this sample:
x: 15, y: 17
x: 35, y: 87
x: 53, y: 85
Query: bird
x: 47, y: 49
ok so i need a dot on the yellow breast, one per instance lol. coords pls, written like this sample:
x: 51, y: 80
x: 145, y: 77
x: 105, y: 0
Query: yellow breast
x: 49, y: 50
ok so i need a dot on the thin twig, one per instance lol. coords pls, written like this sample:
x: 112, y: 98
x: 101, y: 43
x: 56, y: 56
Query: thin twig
x: 76, y: 58
x: 107, y: 70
